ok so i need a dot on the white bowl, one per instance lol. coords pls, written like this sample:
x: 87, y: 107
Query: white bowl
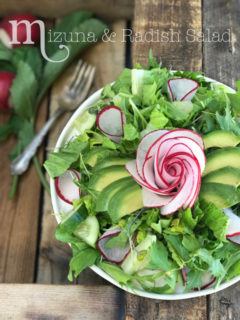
x: 58, y: 205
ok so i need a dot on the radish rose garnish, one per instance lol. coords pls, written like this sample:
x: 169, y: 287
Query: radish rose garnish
x: 168, y: 166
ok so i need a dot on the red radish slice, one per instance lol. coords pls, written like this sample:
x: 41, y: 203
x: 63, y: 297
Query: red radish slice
x: 110, y: 121
x: 207, y: 279
x: 169, y: 170
x: 152, y: 200
x: 114, y: 254
x: 66, y: 188
x: 131, y: 168
x: 182, y: 89
x: 6, y: 35
x: 233, y: 232
x: 144, y: 146
x: 184, y: 274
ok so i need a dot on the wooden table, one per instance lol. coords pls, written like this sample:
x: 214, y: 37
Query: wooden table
x: 33, y: 265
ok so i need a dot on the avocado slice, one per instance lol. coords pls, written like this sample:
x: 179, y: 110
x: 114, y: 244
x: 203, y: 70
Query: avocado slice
x: 222, y: 158
x: 226, y: 175
x: 220, y: 139
x: 111, y: 162
x: 125, y: 201
x: 104, y: 177
x: 97, y: 154
x: 222, y: 195
x: 106, y: 194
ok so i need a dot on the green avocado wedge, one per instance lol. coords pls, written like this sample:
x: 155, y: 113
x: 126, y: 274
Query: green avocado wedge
x: 106, y: 176
x: 110, y: 162
x: 227, y: 175
x: 97, y: 154
x: 106, y: 194
x: 125, y: 201
x: 222, y: 195
x: 221, y: 158
x: 220, y: 139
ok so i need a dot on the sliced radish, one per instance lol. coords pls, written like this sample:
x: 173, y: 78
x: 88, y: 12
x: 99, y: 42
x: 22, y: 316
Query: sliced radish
x: 233, y: 232
x: 144, y: 146
x: 184, y: 274
x: 114, y: 254
x: 110, y: 121
x: 66, y: 189
x: 207, y: 279
x: 168, y: 167
x: 182, y: 89
x: 6, y: 28
x: 152, y: 200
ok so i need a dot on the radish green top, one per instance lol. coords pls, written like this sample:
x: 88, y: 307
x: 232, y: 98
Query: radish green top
x: 158, y: 163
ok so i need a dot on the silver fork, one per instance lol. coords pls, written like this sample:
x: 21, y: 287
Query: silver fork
x: 74, y: 94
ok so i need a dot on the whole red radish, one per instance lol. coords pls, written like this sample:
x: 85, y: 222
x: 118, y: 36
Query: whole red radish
x: 6, y: 79
x: 6, y: 30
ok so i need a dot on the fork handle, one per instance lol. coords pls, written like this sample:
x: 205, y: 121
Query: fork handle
x: 20, y: 164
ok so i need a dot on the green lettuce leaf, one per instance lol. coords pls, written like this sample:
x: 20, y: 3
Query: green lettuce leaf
x: 60, y: 161
x: 159, y: 257
x: 216, y: 220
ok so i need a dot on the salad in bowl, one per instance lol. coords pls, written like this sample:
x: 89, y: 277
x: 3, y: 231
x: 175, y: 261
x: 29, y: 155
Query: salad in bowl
x: 144, y: 183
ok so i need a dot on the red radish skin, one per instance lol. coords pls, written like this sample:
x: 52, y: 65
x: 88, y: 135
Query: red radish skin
x: 204, y: 286
x: 169, y: 169
x: 60, y: 189
x: 182, y: 89
x: 110, y: 121
x: 6, y: 30
x: 233, y: 232
x: 125, y: 251
x: 6, y: 79
x: 184, y: 275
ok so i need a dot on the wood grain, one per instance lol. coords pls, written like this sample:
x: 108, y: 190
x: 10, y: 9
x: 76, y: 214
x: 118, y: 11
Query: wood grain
x: 221, y: 62
x: 221, y: 59
x: 19, y: 217
x: 224, y: 305
x: 138, y: 308
x: 59, y: 302
x: 110, y: 9
x: 171, y: 19
x: 54, y: 256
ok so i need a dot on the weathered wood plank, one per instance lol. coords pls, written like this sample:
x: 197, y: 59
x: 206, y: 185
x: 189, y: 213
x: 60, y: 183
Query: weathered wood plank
x: 221, y: 62
x: 167, y: 16
x: 221, y: 59
x: 19, y: 302
x: 110, y: 9
x: 54, y: 256
x: 19, y: 217
x: 225, y: 304
x: 171, y: 20
x: 141, y: 308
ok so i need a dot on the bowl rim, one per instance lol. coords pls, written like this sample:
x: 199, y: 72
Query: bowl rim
x: 91, y: 100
